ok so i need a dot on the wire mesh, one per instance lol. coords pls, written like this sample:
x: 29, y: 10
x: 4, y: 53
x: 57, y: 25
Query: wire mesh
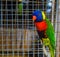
x: 18, y: 35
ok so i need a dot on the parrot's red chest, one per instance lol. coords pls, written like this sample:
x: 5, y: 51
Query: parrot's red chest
x: 41, y: 26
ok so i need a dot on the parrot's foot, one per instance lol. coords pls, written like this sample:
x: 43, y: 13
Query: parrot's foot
x: 46, y: 41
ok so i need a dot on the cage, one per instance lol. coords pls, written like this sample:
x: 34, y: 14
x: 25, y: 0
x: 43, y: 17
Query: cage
x: 18, y: 35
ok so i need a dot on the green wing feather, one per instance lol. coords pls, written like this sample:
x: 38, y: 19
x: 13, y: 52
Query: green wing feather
x: 51, y: 36
x: 50, y: 33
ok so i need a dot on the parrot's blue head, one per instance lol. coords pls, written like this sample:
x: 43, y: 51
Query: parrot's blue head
x: 37, y: 15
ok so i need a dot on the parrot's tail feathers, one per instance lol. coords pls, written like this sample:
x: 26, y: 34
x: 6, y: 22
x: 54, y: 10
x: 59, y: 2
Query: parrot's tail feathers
x: 52, y: 51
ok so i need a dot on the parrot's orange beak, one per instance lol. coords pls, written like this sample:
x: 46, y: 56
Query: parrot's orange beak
x: 34, y: 18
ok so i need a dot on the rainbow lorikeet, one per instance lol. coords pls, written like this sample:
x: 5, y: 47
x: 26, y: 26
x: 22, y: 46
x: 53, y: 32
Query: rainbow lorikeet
x: 45, y: 30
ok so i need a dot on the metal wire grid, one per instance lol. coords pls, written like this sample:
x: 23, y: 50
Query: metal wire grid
x: 18, y: 35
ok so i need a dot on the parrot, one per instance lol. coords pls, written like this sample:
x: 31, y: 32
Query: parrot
x: 45, y: 31
x: 20, y: 7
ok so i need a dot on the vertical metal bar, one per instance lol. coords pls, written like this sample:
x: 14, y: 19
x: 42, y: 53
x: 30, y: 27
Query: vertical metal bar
x: 33, y: 32
x: 58, y: 27
x: 2, y: 28
x: 27, y: 27
x: 7, y: 29
x: 23, y: 30
x: 53, y: 6
x: 12, y: 29
x: 17, y: 28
